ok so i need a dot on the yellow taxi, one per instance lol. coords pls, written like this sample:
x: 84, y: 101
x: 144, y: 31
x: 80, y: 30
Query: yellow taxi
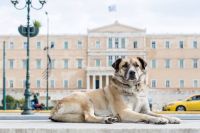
x: 190, y: 104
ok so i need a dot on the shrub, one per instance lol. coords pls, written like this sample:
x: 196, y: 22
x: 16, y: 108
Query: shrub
x: 36, y: 24
x: 11, y: 103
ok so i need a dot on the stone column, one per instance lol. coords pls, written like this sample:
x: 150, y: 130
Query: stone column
x: 107, y: 80
x: 88, y: 82
x: 94, y: 81
x: 100, y: 81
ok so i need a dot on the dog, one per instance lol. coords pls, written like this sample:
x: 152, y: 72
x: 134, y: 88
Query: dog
x: 123, y: 100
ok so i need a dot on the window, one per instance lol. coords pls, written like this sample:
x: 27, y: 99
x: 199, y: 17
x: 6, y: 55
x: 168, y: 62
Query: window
x: 24, y: 63
x: 11, y: 83
x: 65, y: 84
x: 65, y: 63
x: 123, y: 43
x: 195, y: 63
x: 65, y: 45
x: 25, y: 45
x: 181, y: 83
x: 195, y: 83
x: 167, y: 44
x: 153, y: 44
x: 196, y: 97
x: 181, y: 63
x: 110, y: 42
x: 38, y: 63
x: 52, y: 83
x: 135, y: 44
x: 167, y: 84
x: 194, y: 44
x: 112, y: 58
x: 167, y: 63
x: 38, y: 83
x: 79, y: 63
x: 97, y: 44
x: 181, y: 44
x: 11, y: 45
x: 11, y: 63
x: 97, y: 62
x: 110, y: 61
x: 116, y: 57
x: 52, y: 44
x: 79, y: 45
x: 123, y: 57
x: 153, y: 83
x: 153, y: 63
x: 79, y: 84
x: 38, y: 45
x: 116, y: 42
x: 52, y: 65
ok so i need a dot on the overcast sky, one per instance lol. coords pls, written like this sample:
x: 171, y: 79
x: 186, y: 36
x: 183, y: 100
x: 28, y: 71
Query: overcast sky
x: 76, y: 16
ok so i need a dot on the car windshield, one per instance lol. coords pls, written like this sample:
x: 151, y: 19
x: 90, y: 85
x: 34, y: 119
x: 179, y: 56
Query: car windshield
x: 196, y: 97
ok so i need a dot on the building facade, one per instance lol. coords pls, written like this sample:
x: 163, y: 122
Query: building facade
x: 84, y: 61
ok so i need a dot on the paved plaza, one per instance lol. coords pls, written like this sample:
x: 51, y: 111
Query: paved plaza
x: 39, y: 123
x: 46, y: 126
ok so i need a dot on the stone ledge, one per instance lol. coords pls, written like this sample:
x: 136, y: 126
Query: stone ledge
x: 45, y: 126
x: 45, y: 116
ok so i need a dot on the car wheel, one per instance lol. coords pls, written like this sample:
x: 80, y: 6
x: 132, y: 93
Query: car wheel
x: 180, y: 108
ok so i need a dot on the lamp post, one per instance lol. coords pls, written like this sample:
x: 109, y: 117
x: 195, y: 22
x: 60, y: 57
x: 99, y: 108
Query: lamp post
x: 4, y: 77
x: 27, y: 93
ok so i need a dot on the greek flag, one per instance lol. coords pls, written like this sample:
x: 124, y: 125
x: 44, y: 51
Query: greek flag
x: 112, y: 8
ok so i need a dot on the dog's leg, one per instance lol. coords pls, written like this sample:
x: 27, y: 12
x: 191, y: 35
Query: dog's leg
x: 97, y: 119
x: 67, y: 118
x: 90, y: 115
x: 172, y: 120
x: 128, y: 115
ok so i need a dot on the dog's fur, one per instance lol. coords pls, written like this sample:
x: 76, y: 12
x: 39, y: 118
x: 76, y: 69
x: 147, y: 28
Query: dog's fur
x: 124, y: 100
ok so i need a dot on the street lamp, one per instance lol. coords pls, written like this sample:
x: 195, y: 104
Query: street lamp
x: 27, y: 93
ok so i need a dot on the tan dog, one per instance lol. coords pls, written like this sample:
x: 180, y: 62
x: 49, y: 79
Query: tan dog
x: 123, y: 100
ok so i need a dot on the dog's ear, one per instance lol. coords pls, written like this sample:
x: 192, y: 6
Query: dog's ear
x: 143, y: 63
x: 115, y: 65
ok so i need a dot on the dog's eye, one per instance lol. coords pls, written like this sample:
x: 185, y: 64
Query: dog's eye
x: 136, y: 65
x: 125, y: 65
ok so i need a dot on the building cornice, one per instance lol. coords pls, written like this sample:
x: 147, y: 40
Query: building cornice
x: 117, y: 52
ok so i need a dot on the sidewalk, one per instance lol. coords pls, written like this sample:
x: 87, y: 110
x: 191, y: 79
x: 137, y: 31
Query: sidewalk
x: 14, y: 122
x: 46, y: 126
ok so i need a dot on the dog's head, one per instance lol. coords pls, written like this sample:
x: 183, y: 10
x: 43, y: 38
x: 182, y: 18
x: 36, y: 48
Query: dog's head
x: 130, y: 71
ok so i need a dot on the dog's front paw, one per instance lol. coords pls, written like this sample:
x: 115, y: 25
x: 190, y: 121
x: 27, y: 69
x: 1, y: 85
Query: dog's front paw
x: 174, y: 120
x: 158, y: 120
x: 110, y: 120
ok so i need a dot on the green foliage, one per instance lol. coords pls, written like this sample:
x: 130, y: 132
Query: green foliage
x: 37, y: 24
x: 11, y: 103
x: 20, y: 103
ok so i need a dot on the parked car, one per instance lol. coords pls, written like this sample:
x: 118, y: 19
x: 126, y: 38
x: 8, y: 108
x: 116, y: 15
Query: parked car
x: 190, y: 104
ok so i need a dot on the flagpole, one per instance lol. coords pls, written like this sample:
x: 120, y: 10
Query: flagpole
x: 47, y: 72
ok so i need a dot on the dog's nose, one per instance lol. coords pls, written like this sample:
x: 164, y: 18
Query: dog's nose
x: 132, y: 73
